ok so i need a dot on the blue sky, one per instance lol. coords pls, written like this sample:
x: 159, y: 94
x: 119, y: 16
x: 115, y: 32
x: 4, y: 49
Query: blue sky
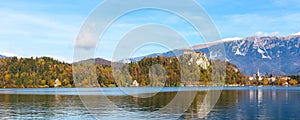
x: 50, y: 27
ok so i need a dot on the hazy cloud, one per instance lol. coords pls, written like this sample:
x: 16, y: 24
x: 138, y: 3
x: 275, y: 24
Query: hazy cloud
x: 297, y: 33
x: 266, y: 34
x: 9, y: 54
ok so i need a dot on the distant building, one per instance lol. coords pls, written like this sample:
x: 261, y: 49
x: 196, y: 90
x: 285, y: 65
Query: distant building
x: 57, y: 83
x: 257, y: 75
x: 285, y: 84
x: 135, y: 83
x: 271, y: 79
x: 251, y: 78
x: 286, y: 78
x: 260, y: 78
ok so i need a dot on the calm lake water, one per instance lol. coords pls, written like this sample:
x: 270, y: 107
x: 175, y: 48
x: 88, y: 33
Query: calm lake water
x: 233, y: 103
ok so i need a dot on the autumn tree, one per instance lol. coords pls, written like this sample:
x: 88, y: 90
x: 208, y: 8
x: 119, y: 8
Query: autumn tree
x: 293, y: 82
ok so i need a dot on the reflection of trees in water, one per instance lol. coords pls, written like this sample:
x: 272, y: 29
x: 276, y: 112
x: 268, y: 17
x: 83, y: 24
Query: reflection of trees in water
x: 160, y: 100
x: 226, y: 99
x: 151, y: 104
x: 39, y: 106
x: 193, y: 109
x: 248, y: 104
x: 132, y: 104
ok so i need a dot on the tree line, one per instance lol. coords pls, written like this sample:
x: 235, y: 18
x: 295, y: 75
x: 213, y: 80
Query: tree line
x: 34, y: 72
x: 150, y: 71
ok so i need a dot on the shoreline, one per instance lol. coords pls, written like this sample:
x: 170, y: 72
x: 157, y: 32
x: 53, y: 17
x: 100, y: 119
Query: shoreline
x: 132, y: 90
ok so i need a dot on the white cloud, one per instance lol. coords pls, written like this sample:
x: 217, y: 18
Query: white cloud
x: 232, y: 39
x: 19, y: 23
x: 266, y: 34
x: 247, y: 24
x: 258, y: 33
x: 60, y: 58
x: 296, y: 34
x: 9, y: 54
x: 87, y: 38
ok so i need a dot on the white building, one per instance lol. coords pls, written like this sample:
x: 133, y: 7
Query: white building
x: 57, y: 83
x: 259, y: 76
x: 135, y: 83
x: 272, y: 79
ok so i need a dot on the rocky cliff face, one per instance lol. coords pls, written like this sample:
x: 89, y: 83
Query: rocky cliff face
x: 198, y: 58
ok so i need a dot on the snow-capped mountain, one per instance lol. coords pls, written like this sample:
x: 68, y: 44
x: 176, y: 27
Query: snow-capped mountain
x: 271, y: 55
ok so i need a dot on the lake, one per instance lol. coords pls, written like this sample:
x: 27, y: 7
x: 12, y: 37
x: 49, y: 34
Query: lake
x: 114, y: 103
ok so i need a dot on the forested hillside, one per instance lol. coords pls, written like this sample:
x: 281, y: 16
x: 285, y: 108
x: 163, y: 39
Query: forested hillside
x: 34, y: 72
x: 42, y: 72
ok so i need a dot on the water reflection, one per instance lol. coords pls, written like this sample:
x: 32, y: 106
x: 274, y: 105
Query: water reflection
x: 233, y: 104
x: 273, y: 95
x: 259, y: 96
x: 41, y: 107
x: 258, y: 104
x: 138, y: 108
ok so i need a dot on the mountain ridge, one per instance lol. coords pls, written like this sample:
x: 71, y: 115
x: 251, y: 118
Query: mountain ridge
x: 100, y: 61
x: 2, y: 56
x: 277, y: 55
